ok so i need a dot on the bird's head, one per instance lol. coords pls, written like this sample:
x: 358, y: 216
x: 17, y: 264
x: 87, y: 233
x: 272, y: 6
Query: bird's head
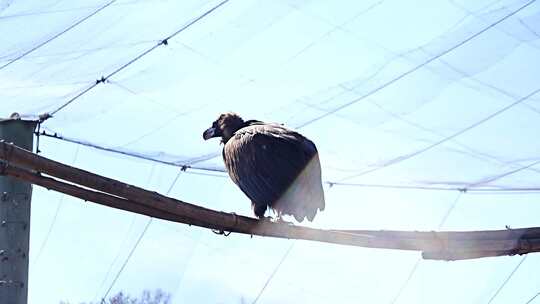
x: 224, y: 127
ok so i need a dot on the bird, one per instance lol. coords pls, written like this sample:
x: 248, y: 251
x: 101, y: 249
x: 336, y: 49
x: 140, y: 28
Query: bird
x: 276, y: 168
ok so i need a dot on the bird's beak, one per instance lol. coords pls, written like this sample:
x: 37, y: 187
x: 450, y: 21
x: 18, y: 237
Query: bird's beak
x: 209, y: 133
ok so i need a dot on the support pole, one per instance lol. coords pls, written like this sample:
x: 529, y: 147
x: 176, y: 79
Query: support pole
x: 15, y: 198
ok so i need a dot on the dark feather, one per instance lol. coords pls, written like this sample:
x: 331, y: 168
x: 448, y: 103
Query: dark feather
x: 275, y: 167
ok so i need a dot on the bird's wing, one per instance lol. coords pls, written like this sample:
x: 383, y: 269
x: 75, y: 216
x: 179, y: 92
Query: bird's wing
x: 264, y: 160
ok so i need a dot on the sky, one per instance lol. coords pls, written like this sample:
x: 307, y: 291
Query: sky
x: 393, y: 93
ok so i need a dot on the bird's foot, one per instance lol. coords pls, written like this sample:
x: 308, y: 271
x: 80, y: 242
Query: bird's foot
x: 276, y: 220
x: 268, y: 219
x: 280, y: 220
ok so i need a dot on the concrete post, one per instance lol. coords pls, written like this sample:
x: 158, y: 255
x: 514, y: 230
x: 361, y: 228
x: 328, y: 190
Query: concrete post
x: 15, y: 198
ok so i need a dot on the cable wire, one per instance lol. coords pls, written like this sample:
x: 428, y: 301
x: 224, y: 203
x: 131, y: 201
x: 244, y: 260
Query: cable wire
x: 532, y: 299
x: 137, y: 243
x: 494, y: 178
x: 127, y: 260
x: 57, y: 35
x: 56, y: 11
x: 418, y: 260
x: 189, y: 166
x: 507, y: 279
x: 464, y: 189
x: 55, y: 216
x: 466, y: 150
x: 274, y: 272
x: 124, y: 241
x: 406, y: 283
x: 131, y: 225
x: 162, y: 42
x: 394, y: 80
x: 437, y: 143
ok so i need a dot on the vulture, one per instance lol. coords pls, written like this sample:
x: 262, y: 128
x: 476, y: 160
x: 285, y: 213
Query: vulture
x: 274, y: 166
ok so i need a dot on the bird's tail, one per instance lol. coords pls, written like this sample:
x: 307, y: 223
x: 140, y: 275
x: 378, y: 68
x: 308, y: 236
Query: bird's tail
x: 305, y: 197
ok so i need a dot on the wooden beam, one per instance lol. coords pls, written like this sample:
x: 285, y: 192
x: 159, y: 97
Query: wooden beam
x: 502, y: 234
x: 452, y: 245
x: 25, y: 159
x: 87, y: 194
x: 475, y: 254
x: 336, y: 236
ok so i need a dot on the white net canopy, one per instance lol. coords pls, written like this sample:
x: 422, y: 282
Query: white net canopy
x: 426, y: 115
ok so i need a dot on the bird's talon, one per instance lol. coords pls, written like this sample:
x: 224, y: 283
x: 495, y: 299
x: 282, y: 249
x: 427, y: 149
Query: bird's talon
x: 275, y: 220
x: 268, y: 219
x: 280, y: 220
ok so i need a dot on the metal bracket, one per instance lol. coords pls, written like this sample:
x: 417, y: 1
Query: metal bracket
x: 3, y: 167
x: 4, y: 254
x: 7, y: 283
x: 4, y: 223
x: 16, y: 198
